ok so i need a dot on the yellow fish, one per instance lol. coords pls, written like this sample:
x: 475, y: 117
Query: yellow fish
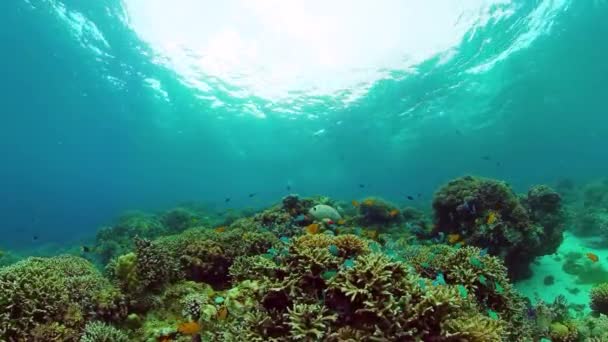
x: 313, y: 228
x: 453, y: 238
x: 341, y: 222
x: 189, y: 328
x: 393, y: 213
x: 220, y: 229
x: 491, y: 218
x: 355, y: 203
x: 222, y: 313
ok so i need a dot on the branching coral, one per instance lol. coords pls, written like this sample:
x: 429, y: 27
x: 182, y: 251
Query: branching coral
x: 101, y: 332
x: 309, y: 322
x: 49, y: 297
x: 376, y: 211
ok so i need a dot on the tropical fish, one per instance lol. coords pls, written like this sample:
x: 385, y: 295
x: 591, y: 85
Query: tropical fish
x: 329, y: 274
x: 85, y: 249
x: 300, y: 218
x: 333, y: 249
x: 462, y: 291
x: 227, y: 199
x: 491, y: 218
x: 410, y: 198
x: 476, y: 262
x: 439, y: 279
x: 220, y: 229
x: 593, y: 257
x: 284, y: 239
x: 372, y: 234
x: 189, y: 328
x: 361, y: 186
x: 355, y: 203
x: 349, y: 263
x: 252, y: 194
x: 499, y: 289
x: 482, y: 279
x: 222, y: 313
x: 313, y: 228
x: 486, y: 158
x: 288, y: 188
x: 272, y: 251
x: 492, y: 314
x: 422, y: 283
x: 219, y: 300
x: 483, y: 252
x: 341, y: 222
x: 35, y: 237
x: 369, y: 202
x: 453, y: 238
x: 393, y: 213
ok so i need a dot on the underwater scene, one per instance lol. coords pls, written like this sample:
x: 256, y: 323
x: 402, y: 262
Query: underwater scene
x: 304, y: 170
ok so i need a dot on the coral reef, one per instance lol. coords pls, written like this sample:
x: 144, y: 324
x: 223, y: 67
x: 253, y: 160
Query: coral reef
x: 599, y: 298
x: 53, y: 298
x: 376, y: 211
x: 487, y: 213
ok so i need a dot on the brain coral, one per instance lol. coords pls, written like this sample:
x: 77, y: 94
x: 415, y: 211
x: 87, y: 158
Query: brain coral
x: 38, y: 295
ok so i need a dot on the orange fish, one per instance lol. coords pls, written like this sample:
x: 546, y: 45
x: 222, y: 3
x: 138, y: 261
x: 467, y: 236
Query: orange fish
x: 368, y: 202
x: 393, y: 213
x: 491, y: 218
x: 220, y: 229
x: 222, y: 313
x: 355, y: 203
x: 189, y: 328
x: 453, y: 238
x: 341, y: 222
x: 592, y: 257
x: 313, y: 228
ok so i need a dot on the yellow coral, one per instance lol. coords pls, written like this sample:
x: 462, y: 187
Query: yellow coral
x: 351, y: 245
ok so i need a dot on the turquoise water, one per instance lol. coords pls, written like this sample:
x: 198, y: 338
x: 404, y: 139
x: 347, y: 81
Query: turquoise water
x: 86, y: 136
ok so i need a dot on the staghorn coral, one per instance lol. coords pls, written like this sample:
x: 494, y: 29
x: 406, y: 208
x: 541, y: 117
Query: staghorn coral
x: 154, y: 268
x: 563, y: 332
x: 49, y: 297
x: 599, y: 298
x: 487, y: 213
x: 477, y: 328
x: 350, y: 245
x: 309, y: 322
x: 101, y: 332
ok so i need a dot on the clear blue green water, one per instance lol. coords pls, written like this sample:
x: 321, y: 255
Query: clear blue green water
x: 96, y: 121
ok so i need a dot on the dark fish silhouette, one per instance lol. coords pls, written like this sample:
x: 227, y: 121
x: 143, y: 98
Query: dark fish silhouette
x: 227, y: 199
x: 35, y: 237
x: 85, y: 249
x: 288, y: 188
x: 486, y: 158
x: 361, y: 186
x: 410, y: 198
x: 252, y: 194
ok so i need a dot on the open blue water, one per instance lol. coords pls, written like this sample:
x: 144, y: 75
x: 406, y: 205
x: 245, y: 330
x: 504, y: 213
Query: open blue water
x: 97, y: 120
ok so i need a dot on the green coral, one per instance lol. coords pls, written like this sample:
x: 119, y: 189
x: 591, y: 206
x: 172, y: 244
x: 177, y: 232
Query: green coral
x: 50, y: 297
x: 309, y: 322
x: 101, y: 332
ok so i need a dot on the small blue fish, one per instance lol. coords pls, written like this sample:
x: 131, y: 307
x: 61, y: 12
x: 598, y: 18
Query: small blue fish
x: 349, y: 263
x: 476, y: 262
x: 499, y: 288
x: 272, y: 251
x: 439, y: 280
x: 219, y: 300
x: 422, y: 284
x: 333, y: 249
x: 329, y: 274
x: 483, y: 280
x: 483, y: 252
x: 492, y: 314
x: 463, y: 291
x: 300, y: 218
x: 284, y: 239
